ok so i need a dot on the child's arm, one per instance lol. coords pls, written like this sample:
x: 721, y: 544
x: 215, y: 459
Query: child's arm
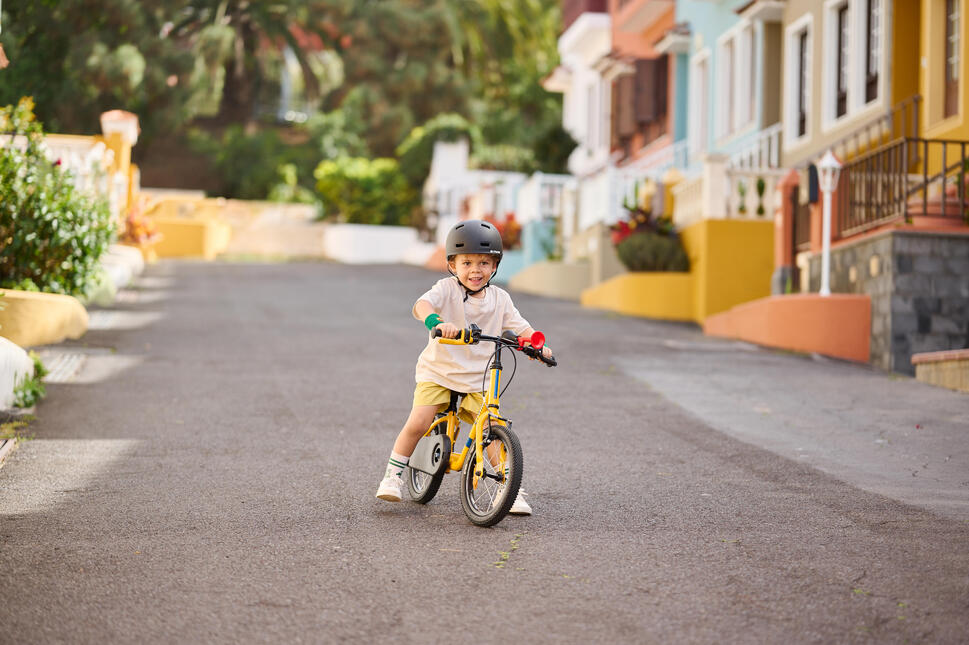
x: 423, y: 309
x: 546, y: 350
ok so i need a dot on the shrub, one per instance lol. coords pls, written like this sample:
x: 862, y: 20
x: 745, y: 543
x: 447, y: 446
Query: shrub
x: 51, y: 234
x: 30, y: 389
x: 366, y: 191
x: 649, y: 251
x: 249, y: 164
x: 504, y: 157
x: 553, y: 148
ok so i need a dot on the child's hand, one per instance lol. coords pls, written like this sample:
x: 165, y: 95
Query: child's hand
x: 546, y: 351
x: 448, y: 330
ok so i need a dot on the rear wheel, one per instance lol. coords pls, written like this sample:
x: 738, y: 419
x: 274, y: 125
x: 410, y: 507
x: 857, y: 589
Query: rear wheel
x: 486, y: 500
x: 424, y: 487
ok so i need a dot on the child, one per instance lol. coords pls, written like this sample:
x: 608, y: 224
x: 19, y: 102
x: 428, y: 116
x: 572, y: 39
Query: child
x: 473, y: 251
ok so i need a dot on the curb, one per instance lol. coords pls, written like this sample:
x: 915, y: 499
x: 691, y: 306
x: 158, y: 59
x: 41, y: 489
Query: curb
x: 7, y: 446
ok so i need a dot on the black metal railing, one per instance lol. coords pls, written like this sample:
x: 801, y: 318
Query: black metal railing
x: 899, y: 122
x: 951, y: 179
x: 878, y: 187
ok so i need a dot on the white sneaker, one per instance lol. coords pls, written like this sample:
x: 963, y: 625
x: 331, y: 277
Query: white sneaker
x: 391, y: 488
x: 520, y: 507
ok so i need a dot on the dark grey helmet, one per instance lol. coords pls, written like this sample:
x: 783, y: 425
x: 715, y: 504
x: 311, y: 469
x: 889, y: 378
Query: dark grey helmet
x: 473, y: 236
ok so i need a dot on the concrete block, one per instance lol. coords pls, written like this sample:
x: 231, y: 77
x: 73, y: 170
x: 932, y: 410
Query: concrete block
x: 947, y: 286
x: 15, y: 365
x: 927, y: 264
x: 913, y: 244
x: 903, y: 304
x: 957, y: 265
x: 905, y: 324
x: 926, y: 305
x: 946, y: 325
x: 913, y: 283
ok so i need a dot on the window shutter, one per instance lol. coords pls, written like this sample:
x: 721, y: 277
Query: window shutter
x: 645, y: 85
x: 661, y: 85
x: 614, y: 115
x: 627, y: 120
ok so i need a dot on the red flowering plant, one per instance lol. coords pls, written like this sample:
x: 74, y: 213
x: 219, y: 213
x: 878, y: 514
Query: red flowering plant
x: 138, y: 227
x: 509, y: 229
x: 645, y: 242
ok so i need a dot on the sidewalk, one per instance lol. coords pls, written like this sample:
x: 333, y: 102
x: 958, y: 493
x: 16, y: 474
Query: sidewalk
x: 884, y: 433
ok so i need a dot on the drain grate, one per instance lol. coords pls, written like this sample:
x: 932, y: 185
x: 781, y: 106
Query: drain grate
x: 62, y: 367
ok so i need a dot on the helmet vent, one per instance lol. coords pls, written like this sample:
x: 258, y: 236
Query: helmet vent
x: 459, y: 244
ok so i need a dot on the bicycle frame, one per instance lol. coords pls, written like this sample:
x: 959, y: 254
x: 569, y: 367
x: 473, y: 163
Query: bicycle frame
x: 489, y: 413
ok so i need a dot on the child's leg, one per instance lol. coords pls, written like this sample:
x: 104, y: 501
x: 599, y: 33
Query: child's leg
x: 420, y: 418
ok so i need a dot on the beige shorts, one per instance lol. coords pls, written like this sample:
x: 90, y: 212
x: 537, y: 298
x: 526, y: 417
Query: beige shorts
x: 428, y: 393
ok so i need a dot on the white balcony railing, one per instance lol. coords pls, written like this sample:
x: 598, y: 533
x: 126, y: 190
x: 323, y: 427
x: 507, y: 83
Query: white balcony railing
x: 723, y: 192
x: 542, y: 197
x: 763, y: 153
x: 752, y: 194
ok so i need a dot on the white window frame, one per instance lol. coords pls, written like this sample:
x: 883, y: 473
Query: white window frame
x: 792, y: 33
x: 726, y: 86
x: 734, y: 80
x: 829, y: 51
x: 861, y: 36
x: 857, y: 61
x: 750, y: 80
x: 699, y: 117
x: 592, y: 103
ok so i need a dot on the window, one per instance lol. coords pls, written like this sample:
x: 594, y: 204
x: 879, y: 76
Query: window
x: 698, y: 99
x: 728, y: 88
x: 798, y: 72
x: 951, y: 58
x: 873, y: 40
x: 841, y: 72
x: 751, y: 52
x: 803, y: 63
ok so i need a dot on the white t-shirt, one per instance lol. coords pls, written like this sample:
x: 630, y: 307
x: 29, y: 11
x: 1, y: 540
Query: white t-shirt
x: 461, y: 368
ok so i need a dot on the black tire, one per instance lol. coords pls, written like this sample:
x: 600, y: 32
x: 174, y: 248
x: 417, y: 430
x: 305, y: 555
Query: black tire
x: 424, y: 487
x: 488, y: 504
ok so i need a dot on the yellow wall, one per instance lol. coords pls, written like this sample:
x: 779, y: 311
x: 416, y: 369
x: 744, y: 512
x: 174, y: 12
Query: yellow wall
x: 190, y: 227
x: 731, y: 262
x: 30, y: 319
x: 668, y: 295
x: 183, y: 237
x: 904, y: 65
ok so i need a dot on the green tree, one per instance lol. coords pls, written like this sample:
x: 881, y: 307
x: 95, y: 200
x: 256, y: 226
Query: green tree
x: 77, y: 63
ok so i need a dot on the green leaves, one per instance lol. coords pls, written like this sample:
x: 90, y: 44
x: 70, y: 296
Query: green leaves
x: 366, y: 191
x: 51, y: 235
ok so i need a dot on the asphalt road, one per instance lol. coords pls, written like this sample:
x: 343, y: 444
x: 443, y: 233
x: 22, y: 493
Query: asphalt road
x: 204, y: 466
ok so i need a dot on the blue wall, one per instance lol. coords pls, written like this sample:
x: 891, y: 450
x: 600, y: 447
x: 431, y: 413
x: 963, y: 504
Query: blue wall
x: 710, y: 20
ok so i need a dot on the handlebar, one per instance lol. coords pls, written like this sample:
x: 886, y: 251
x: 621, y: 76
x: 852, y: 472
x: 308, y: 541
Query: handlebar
x: 473, y: 335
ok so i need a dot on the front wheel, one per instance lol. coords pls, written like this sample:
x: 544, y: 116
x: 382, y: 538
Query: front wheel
x: 486, y: 500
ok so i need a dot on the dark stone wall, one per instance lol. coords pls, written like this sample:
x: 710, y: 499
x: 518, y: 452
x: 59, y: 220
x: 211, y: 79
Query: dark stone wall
x: 919, y: 288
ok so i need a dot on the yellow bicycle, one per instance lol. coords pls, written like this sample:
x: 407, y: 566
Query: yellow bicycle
x: 491, y: 474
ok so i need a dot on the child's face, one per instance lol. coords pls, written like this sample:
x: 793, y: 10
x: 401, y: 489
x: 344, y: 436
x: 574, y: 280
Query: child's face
x: 473, y: 269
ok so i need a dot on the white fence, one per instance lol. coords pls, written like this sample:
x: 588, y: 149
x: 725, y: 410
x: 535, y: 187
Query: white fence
x: 763, y: 153
x: 87, y: 160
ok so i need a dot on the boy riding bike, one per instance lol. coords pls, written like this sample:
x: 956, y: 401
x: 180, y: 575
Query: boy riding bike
x: 473, y: 250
